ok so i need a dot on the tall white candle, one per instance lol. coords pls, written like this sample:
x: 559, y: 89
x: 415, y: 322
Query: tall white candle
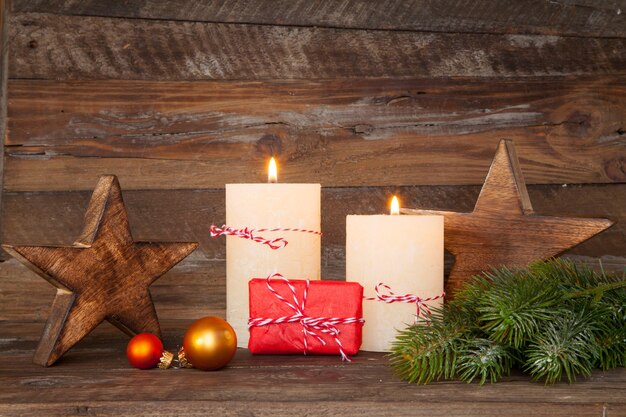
x: 404, y: 252
x: 258, y: 206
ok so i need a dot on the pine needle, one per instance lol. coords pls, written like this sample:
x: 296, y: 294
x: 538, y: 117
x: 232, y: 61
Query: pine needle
x: 556, y: 319
x: 484, y: 359
x: 566, y: 346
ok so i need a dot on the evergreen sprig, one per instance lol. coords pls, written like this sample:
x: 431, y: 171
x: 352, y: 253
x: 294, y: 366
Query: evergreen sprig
x: 513, y: 306
x: 554, y: 320
x: 433, y: 349
x: 484, y: 359
x: 564, y: 346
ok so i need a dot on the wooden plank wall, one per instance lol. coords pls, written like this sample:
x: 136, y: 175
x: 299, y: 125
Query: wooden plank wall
x: 4, y: 52
x: 367, y: 97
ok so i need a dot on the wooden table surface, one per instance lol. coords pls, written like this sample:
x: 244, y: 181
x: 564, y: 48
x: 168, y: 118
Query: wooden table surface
x: 94, y: 378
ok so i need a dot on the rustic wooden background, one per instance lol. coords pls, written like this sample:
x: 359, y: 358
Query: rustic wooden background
x: 179, y: 97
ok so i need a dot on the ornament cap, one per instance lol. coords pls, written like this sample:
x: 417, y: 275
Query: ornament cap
x: 166, y: 360
x: 182, y: 359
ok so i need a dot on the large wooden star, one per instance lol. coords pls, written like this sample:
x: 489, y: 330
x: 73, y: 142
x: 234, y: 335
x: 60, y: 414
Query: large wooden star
x: 105, y: 275
x: 503, y: 229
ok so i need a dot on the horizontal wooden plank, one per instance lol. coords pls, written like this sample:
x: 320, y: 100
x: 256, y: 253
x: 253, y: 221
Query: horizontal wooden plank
x: 600, y: 18
x: 21, y: 337
x: 290, y: 408
x: 196, y: 286
x: 46, y: 46
x: 185, y: 215
x: 96, y: 371
x: 62, y: 135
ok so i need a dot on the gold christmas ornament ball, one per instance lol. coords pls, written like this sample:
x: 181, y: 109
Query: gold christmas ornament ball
x: 210, y: 343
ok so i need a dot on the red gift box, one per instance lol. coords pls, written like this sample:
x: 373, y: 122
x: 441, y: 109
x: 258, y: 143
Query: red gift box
x: 330, y: 322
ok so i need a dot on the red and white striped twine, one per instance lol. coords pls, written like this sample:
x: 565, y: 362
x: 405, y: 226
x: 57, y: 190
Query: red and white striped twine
x: 391, y: 297
x: 310, y: 325
x: 246, y: 233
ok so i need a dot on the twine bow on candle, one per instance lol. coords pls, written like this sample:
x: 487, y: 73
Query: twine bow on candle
x: 391, y: 297
x: 247, y: 233
x: 310, y: 325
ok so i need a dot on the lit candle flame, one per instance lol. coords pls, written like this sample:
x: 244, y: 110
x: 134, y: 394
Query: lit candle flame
x: 395, y: 205
x: 272, y: 171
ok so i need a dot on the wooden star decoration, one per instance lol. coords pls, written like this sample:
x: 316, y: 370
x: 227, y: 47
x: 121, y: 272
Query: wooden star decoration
x: 104, y: 275
x: 503, y: 230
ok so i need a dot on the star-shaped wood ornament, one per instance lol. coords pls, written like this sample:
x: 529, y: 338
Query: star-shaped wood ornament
x: 104, y: 275
x: 503, y: 230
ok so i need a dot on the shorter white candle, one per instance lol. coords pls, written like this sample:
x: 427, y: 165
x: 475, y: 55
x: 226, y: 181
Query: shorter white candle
x: 404, y: 252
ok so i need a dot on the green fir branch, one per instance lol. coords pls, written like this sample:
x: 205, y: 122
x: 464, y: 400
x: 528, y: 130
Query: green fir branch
x: 555, y: 319
x: 515, y: 304
x: 427, y: 352
x: 485, y: 360
x: 566, y: 346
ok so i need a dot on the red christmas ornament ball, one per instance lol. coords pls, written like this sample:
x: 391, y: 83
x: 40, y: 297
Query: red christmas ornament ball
x: 144, y: 351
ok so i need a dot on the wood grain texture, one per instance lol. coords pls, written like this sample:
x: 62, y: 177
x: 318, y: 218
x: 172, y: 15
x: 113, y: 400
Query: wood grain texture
x: 105, y: 275
x: 311, y: 385
x: 54, y: 218
x: 163, y: 135
x: 290, y: 408
x: 5, y: 6
x: 62, y: 135
x: 196, y: 287
x: 503, y: 229
x: 597, y: 18
x: 45, y: 46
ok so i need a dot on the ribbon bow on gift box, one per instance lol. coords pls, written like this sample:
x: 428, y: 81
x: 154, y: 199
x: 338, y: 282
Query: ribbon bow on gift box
x: 311, y: 326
